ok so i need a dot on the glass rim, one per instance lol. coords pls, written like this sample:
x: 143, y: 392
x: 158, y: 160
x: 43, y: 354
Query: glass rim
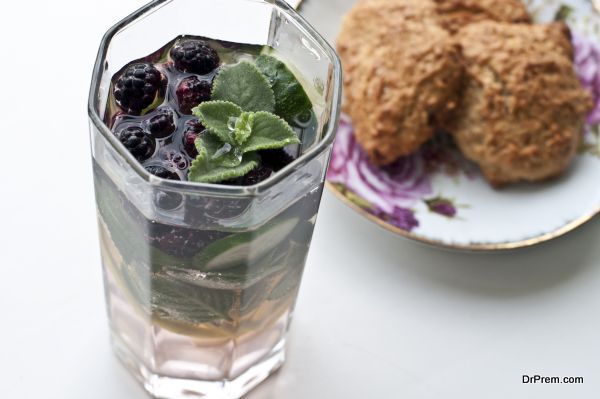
x: 193, y: 187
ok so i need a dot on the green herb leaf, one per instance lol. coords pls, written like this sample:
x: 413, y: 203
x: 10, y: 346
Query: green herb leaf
x: 235, y: 132
x: 206, y: 169
x: 173, y: 299
x: 244, y: 85
x: 217, y: 116
x: 243, y: 127
x: 290, y: 98
x: 255, y: 291
x: 269, y: 132
x: 215, y: 152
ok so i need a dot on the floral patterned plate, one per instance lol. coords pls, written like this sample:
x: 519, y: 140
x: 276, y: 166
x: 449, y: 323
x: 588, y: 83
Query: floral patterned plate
x: 438, y: 197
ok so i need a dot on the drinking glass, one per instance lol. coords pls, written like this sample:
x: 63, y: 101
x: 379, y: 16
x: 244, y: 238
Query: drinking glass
x: 201, y: 280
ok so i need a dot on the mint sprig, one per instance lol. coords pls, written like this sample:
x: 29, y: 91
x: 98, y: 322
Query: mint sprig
x: 249, y: 131
x: 228, y: 149
x: 239, y: 123
x: 243, y: 84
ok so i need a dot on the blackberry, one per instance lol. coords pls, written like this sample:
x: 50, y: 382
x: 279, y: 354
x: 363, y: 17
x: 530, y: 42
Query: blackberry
x: 162, y: 172
x: 257, y: 175
x: 191, y: 92
x: 251, y: 178
x: 162, y: 124
x: 193, y: 129
x: 137, y: 142
x: 195, y: 56
x: 138, y: 87
x: 276, y: 159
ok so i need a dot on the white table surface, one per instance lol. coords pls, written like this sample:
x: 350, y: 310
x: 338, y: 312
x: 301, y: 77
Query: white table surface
x: 378, y: 317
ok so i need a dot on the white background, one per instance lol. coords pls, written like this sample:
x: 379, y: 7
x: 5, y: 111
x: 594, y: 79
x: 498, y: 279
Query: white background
x: 378, y: 317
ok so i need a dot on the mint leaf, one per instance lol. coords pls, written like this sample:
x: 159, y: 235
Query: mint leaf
x: 250, y: 131
x: 216, y: 152
x: 216, y: 116
x: 204, y: 169
x: 227, y: 150
x: 243, y: 84
x: 256, y: 289
x: 227, y: 156
x: 290, y: 98
x: 269, y: 132
x: 175, y: 300
x: 243, y: 127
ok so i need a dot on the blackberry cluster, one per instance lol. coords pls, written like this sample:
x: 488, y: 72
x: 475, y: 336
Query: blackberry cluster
x: 276, y: 159
x: 193, y: 129
x: 154, y: 138
x: 138, y: 87
x: 195, y: 56
x: 137, y: 142
x: 191, y: 92
x: 256, y: 175
x: 162, y: 124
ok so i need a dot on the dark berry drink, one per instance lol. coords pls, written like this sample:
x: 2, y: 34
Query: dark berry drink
x: 150, y: 110
x: 202, y: 286
x: 209, y: 159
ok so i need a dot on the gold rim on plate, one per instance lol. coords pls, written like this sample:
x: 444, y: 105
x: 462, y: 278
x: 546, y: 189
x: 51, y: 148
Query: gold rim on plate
x: 474, y: 247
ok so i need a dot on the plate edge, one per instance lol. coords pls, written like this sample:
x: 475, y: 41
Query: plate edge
x: 505, y: 246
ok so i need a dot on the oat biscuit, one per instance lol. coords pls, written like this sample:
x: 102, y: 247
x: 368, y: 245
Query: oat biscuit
x: 523, y: 109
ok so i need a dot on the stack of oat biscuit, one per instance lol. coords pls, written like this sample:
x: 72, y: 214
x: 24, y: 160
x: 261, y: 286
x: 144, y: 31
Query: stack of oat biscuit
x: 504, y: 87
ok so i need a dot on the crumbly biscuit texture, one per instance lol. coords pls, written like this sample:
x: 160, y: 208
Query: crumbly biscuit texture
x: 455, y: 14
x: 402, y: 76
x: 523, y: 108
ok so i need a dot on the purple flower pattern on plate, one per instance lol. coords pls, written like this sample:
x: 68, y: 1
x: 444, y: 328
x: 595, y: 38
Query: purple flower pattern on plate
x: 587, y: 64
x: 442, y: 206
x: 402, y: 218
x: 388, y: 192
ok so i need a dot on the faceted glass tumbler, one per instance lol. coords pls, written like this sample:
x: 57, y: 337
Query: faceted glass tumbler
x: 201, y: 280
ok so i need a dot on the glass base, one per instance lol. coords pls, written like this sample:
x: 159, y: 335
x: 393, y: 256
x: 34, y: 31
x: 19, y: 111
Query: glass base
x: 163, y: 387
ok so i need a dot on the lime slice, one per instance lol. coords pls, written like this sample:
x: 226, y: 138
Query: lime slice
x: 244, y: 248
